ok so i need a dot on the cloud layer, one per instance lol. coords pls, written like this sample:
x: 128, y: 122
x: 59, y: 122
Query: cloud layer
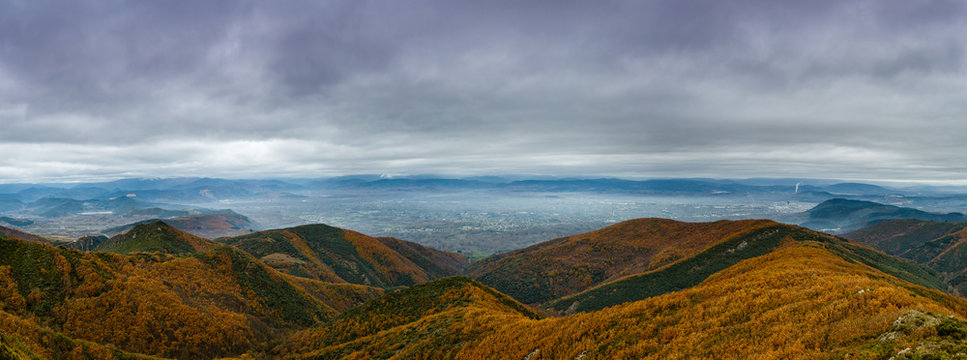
x: 841, y: 89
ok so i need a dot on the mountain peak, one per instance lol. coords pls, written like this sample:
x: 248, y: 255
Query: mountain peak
x: 156, y: 236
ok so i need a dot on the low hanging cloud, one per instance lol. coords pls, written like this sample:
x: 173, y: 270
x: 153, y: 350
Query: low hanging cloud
x: 840, y: 89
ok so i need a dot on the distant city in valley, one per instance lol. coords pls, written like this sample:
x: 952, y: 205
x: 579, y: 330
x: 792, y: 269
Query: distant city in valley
x: 476, y: 216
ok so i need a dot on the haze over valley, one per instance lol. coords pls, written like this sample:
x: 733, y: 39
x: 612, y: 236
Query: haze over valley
x: 471, y: 216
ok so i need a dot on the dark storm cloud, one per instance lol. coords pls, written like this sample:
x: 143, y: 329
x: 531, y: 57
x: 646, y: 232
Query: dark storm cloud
x: 864, y: 89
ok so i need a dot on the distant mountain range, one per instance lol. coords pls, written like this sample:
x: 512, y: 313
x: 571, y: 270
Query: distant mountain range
x: 161, y: 190
x: 676, y: 187
x: 63, y: 212
x: 191, y: 190
x: 50, y: 207
x: 844, y: 215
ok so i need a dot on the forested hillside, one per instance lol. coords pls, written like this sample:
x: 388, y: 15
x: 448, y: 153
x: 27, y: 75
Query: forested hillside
x: 671, y: 290
x: 800, y: 301
x: 941, y: 246
x: 692, y: 271
x: 207, y: 304
x: 336, y: 255
x: 568, y: 265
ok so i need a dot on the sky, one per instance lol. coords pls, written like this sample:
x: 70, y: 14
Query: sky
x: 93, y: 90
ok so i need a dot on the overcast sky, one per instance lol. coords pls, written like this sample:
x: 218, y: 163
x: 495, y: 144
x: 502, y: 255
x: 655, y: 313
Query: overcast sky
x: 831, y: 89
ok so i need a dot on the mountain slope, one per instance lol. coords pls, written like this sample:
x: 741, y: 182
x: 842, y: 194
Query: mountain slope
x: 331, y: 254
x: 156, y: 236
x: 565, y: 266
x: 842, y: 215
x: 693, y: 270
x: 204, y: 305
x: 939, y: 246
x: 22, y: 339
x: 387, y: 319
x: 435, y: 262
x: 799, y: 301
x: 87, y: 243
x: 20, y: 235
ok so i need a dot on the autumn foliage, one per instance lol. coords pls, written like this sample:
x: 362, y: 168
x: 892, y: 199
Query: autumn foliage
x: 331, y: 254
x: 799, y: 302
x: 731, y: 290
x: 156, y: 236
x: 219, y: 302
x: 941, y: 246
x: 568, y: 265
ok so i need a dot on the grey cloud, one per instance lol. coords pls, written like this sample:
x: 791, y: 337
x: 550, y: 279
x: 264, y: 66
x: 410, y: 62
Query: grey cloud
x: 706, y: 88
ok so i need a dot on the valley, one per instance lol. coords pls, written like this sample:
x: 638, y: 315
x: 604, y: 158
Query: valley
x: 476, y: 217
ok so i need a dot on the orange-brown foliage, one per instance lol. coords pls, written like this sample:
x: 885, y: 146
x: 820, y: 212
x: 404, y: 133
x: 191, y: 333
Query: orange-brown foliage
x: 388, y: 263
x: 799, y: 302
x: 317, y: 269
x: 568, y: 265
x: 340, y: 297
x: 184, y: 307
x: 331, y: 254
x: 10, y: 298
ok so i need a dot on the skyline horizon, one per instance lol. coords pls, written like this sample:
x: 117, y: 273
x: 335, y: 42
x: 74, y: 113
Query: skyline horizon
x: 749, y: 88
x: 509, y: 177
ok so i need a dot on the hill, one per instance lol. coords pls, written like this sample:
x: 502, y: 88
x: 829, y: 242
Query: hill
x: 693, y: 270
x: 87, y: 243
x: 20, y: 235
x: 156, y: 236
x: 57, y: 302
x: 215, y: 224
x: 939, y: 246
x: 391, y: 318
x: 16, y: 221
x: 208, y: 225
x: 842, y: 215
x: 799, y: 301
x: 331, y: 254
x: 568, y: 265
x: 436, y: 263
